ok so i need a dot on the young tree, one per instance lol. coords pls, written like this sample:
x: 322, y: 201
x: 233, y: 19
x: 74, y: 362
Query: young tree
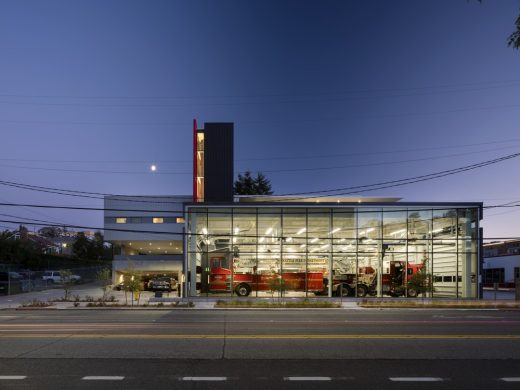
x: 66, y: 282
x: 104, y: 277
x: 132, y: 283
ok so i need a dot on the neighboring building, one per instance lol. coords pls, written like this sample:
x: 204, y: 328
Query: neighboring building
x: 501, y: 263
x: 298, y: 246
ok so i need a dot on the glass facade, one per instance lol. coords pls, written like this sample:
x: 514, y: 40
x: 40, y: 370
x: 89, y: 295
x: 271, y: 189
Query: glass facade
x: 304, y: 251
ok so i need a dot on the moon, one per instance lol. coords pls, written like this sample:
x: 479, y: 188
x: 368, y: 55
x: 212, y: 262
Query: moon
x: 153, y: 167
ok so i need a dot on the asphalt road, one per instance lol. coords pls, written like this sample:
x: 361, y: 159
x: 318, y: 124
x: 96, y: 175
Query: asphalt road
x: 142, y: 349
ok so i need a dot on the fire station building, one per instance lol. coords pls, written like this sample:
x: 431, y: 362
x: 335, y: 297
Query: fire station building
x: 268, y: 246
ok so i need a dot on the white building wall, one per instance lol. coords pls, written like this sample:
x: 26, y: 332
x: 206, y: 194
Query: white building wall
x: 507, y: 262
x: 143, y: 207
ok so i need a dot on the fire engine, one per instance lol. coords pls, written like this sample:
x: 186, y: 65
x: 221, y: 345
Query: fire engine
x: 243, y: 280
x: 395, y: 283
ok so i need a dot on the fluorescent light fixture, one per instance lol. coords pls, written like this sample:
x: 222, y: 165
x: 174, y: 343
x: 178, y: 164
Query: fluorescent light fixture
x: 315, y: 239
x: 234, y: 240
x: 325, y: 246
x: 301, y: 231
x: 335, y: 230
x: 343, y: 239
x: 237, y: 230
x: 262, y: 239
x: 302, y: 246
x: 288, y: 239
x: 269, y: 231
x: 398, y: 232
x: 370, y: 230
x: 204, y: 230
x: 436, y: 230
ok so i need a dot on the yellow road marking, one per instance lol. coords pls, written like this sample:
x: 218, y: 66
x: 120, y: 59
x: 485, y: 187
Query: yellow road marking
x: 263, y: 337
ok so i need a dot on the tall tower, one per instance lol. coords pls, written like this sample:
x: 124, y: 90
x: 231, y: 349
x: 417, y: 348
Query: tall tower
x: 213, y: 162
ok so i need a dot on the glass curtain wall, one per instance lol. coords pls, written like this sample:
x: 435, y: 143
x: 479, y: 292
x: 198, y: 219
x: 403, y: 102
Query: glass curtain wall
x: 332, y: 251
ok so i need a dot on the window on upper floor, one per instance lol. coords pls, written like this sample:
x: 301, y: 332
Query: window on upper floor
x: 158, y: 220
x: 180, y: 220
x: 121, y: 220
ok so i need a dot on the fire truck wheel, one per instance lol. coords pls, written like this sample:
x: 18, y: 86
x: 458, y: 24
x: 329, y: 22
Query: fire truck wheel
x: 343, y: 291
x: 362, y: 291
x: 243, y: 290
x: 412, y: 292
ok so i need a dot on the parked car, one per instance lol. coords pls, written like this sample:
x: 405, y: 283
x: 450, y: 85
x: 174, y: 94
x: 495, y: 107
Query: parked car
x: 162, y: 284
x: 55, y: 277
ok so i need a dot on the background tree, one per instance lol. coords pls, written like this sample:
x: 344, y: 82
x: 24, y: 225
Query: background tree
x: 88, y: 249
x: 19, y: 252
x: 263, y: 185
x: 514, y: 38
x: 248, y: 185
x: 51, y: 231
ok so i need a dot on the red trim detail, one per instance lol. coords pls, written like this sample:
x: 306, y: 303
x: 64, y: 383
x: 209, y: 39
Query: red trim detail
x: 195, y: 200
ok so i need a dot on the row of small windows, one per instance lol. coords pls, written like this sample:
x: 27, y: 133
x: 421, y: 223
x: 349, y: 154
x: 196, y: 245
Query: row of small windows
x: 179, y: 220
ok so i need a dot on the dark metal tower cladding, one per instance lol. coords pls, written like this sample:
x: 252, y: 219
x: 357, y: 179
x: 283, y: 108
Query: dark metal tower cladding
x: 218, y: 162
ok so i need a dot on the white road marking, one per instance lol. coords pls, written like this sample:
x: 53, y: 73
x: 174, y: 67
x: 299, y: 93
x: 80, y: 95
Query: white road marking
x: 103, y: 378
x: 511, y: 379
x: 12, y: 377
x: 204, y: 378
x: 307, y: 378
x: 415, y: 379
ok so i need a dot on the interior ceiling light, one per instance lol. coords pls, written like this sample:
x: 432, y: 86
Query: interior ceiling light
x: 204, y: 230
x: 398, y: 231
x: 261, y: 239
x: 315, y: 239
x: 149, y: 243
x: 269, y: 231
x: 335, y: 230
x: 370, y: 230
x: 237, y: 230
x: 171, y: 244
x: 289, y: 239
x: 301, y: 231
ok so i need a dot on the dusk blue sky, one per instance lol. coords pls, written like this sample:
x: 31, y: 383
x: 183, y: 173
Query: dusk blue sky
x: 336, y: 93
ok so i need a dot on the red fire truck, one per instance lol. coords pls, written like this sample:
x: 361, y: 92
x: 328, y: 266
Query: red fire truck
x: 224, y: 280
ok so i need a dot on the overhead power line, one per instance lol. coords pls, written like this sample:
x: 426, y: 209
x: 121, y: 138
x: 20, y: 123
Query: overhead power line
x: 400, y: 182
x: 315, y: 194
x: 286, y: 170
